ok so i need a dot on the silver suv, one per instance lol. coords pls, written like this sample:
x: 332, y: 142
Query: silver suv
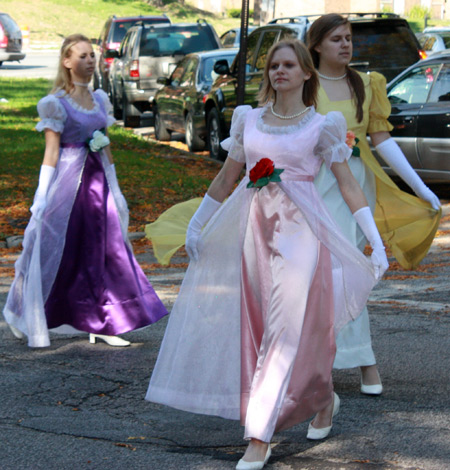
x: 146, y: 53
x: 10, y: 39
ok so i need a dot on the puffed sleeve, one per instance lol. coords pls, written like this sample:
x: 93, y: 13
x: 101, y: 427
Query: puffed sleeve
x: 52, y: 114
x: 234, y: 145
x: 107, y: 105
x: 380, y: 107
x: 331, y: 146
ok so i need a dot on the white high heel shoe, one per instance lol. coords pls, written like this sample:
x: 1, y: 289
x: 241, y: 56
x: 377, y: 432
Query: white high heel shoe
x: 316, y: 434
x: 111, y: 340
x: 376, y: 389
x: 258, y: 465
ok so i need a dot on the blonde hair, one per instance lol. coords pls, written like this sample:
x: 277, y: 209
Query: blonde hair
x: 311, y: 86
x: 63, y: 80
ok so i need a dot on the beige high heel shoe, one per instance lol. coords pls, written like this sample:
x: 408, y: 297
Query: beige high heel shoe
x: 111, y: 340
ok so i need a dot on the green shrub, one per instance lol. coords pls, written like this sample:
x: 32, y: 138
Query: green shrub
x: 419, y: 12
x: 236, y: 13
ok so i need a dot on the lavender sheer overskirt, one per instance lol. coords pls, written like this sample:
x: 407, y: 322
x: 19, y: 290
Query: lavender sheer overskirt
x: 99, y: 288
x: 43, y: 246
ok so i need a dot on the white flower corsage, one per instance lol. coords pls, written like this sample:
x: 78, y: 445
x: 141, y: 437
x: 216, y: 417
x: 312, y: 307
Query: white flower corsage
x: 99, y: 140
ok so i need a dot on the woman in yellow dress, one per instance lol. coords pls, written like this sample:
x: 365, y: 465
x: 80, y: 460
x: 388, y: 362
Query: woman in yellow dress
x: 406, y: 223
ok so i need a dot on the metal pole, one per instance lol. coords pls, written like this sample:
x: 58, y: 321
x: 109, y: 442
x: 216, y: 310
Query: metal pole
x: 240, y: 92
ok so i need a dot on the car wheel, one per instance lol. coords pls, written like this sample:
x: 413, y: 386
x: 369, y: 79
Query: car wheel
x: 214, y: 135
x: 193, y: 141
x: 161, y: 132
x: 128, y: 119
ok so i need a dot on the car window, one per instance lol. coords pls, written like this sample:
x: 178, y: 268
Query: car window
x: 121, y: 27
x: 178, y: 72
x: 229, y: 38
x: 252, y: 42
x: 124, y: 46
x: 384, y: 44
x: 188, y: 77
x: 207, y: 73
x: 9, y: 24
x: 427, y: 42
x: 446, y: 39
x: 266, y: 43
x: 415, y: 86
x: 441, y: 89
x: 175, y: 40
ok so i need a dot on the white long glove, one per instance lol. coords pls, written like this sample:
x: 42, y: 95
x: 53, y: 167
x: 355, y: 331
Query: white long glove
x: 366, y: 221
x: 40, y: 198
x: 205, y: 211
x: 394, y: 157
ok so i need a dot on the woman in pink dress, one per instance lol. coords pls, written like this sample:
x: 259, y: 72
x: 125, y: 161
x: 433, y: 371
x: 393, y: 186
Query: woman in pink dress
x: 271, y: 278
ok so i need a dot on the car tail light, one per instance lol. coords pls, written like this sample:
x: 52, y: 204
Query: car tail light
x: 134, y: 69
x: 108, y: 62
x: 422, y: 54
x: 204, y: 98
x: 3, y: 38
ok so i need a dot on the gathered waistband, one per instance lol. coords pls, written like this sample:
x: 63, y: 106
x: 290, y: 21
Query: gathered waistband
x: 74, y: 145
x: 296, y: 178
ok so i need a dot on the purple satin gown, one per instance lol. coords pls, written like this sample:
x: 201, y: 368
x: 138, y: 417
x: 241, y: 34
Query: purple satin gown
x: 99, y: 287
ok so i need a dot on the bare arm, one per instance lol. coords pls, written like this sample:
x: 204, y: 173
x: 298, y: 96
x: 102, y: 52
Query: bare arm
x: 350, y: 189
x: 223, y: 183
x: 378, y: 137
x: 51, y: 153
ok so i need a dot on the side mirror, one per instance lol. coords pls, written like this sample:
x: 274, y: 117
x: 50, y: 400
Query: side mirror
x: 221, y: 67
x: 111, y: 54
x: 163, y: 81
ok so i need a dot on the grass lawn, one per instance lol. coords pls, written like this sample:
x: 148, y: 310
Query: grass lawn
x: 152, y: 177
x: 50, y: 21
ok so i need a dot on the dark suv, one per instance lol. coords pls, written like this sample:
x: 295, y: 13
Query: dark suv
x: 110, y: 38
x: 10, y: 39
x: 148, y: 52
x: 381, y: 42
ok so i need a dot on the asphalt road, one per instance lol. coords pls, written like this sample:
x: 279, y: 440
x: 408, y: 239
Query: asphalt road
x: 37, y: 64
x: 80, y: 406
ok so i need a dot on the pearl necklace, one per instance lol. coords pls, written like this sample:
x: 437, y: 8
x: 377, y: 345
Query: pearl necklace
x: 288, y: 117
x: 331, y: 78
x: 81, y: 84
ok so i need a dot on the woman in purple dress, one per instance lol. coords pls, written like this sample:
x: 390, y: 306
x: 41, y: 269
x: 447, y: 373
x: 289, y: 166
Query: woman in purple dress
x: 77, y: 269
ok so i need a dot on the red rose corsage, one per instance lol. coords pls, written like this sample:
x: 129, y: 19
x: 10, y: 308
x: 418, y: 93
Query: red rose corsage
x: 263, y: 173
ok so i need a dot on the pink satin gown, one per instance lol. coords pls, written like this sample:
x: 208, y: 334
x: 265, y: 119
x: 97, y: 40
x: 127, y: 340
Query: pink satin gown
x: 251, y: 335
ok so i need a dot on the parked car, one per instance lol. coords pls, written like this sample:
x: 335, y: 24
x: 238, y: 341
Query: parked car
x: 232, y: 37
x: 111, y: 36
x: 10, y: 40
x: 148, y: 52
x: 434, y: 39
x: 420, y: 100
x: 179, y: 106
x: 381, y: 42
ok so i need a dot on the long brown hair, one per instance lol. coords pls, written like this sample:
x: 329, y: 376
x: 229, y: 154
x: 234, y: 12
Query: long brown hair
x: 311, y: 86
x: 63, y: 80
x: 316, y: 33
